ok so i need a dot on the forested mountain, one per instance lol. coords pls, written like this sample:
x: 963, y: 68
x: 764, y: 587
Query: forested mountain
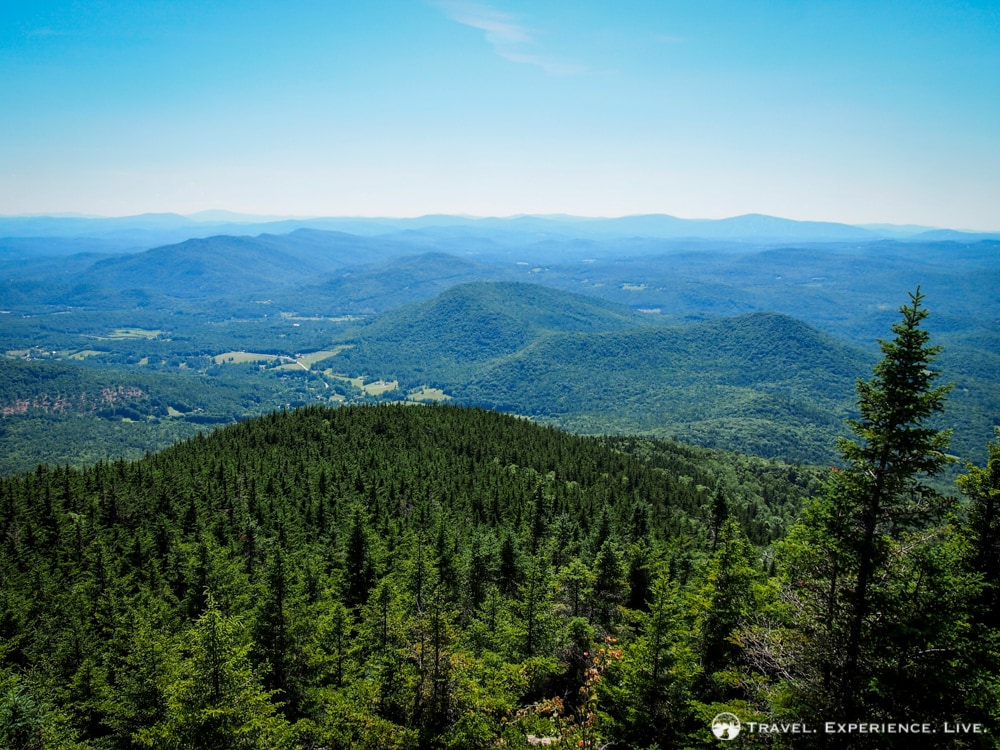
x: 225, y: 267
x: 358, y: 577
x: 761, y: 383
x: 441, y: 341
x: 379, y: 287
x: 766, y: 383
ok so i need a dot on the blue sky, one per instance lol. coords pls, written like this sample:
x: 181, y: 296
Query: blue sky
x: 860, y: 112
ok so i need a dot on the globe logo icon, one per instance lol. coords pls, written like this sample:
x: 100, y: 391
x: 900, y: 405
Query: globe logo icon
x: 726, y: 726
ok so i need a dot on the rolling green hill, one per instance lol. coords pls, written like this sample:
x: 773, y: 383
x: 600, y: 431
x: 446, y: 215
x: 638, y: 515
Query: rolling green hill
x: 447, y: 339
x: 251, y: 588
x: 223, y: 266
x: 763, y: 383
x: 201, y: 270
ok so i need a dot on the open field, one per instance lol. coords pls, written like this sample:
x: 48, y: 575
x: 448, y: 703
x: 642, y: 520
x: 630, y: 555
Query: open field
x: 378, y: 387
x: 304, y: 361
x: 129, y: 333
x: 374, y: 388
x: 311, y: 358
x: 427, y: 394
x: 241, y: 358
x: 84, y: 353
x: 338, y: 319
x: 356, y: 382
x: 39, y: 353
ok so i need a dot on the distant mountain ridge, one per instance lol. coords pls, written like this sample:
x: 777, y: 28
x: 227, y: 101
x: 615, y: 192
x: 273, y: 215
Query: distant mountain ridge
x: 220, y: 264
x: 380, y: 286
x: 153, y: 229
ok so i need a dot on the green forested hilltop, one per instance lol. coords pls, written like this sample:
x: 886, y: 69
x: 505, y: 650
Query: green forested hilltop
x: 381, y: 576
x: 450, y: 338
x: 393, y: 576
x: 760, y: 383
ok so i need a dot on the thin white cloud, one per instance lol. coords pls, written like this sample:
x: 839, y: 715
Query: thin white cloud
x: 553, y: 67
x: 509, y: 39
x: 500, y: 29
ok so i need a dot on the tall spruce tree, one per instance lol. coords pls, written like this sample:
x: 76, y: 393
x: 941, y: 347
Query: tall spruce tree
x: 865, y: 563
x: 896, y: 450
x: 215, y: 700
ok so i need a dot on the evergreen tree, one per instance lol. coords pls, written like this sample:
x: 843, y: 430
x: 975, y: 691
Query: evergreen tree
x: 135, y: 699
x: 509, y: 573
x: 215, y: 699
x: 659, y: 672
x: 725, y: 600
x: 896, y: 450
x: 574, y: 584
x: 867, y: 552
x: 610, y: 588
x: 332, y: 641
x: 21, y: 720
x: 281, y: 628
x: 640, y: 574
x: 431, y: 635
x: 535, y: 608
x: 359, y: 572
x: 477, y: 569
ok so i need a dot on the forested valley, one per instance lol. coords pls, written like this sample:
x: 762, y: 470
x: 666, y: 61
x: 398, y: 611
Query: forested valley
x: 433, y: 576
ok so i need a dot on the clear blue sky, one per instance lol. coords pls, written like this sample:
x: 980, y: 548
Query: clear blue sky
x: 840, y: 110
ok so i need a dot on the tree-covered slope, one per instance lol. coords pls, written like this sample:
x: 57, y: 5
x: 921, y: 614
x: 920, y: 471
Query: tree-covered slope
x: 762, y: 382
x: 77, y: 414
x: 203, y: 270
x: 445, y: 340
x: 370, y: 577
x: 227, y: 266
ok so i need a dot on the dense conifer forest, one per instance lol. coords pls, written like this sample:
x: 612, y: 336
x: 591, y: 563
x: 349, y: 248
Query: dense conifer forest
x: 432, y: 576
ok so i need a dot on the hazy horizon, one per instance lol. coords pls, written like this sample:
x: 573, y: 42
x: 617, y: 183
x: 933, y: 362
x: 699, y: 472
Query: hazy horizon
x: 855, y: 113
x: 223, y: 216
